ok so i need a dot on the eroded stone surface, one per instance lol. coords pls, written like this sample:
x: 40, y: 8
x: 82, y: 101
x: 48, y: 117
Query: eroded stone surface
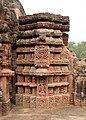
x: 80, y: 81
x: 9, y: 12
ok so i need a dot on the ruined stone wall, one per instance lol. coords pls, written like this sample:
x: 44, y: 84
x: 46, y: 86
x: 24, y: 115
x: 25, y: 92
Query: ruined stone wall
x: 79, y: 81
x: 13, y: 5
x: 5, y: 64
x: 8, y: 29
x: 44, y: 64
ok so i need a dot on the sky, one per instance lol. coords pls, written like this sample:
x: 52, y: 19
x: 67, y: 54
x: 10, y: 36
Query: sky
x: 75, y: 9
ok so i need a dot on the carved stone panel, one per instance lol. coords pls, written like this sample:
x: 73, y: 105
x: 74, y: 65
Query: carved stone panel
x: 19, y: 99
x: 32, y: 102
x: 56, y: 90
x: 20, y: 90
x: 20, y: 78
x: 42, y: 102
x: 26, y: 100
x: 56, y: 79
x: 66, y: 99
x: 50, y: 91
x: 58, y: 100
x: 42, y: 55
x: 63, y: 79
x: 63, y: 90
x: 42, y: 86
x: 27, y: 90
x: 51, y: 102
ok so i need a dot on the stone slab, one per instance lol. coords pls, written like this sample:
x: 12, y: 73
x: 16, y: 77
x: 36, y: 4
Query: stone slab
x: 19, y: 99
x: 66, y: 99
x: 58, y: 100
x: 51, y: 102
x: 42, y: 102
x: 32, y: 101
x: 26, y: 100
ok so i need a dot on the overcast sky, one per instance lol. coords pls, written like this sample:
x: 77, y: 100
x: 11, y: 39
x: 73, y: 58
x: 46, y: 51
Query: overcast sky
x: 75, y: 9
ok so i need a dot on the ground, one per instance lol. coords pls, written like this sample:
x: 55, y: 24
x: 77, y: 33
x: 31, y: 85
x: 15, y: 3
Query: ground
x: 61, y: 113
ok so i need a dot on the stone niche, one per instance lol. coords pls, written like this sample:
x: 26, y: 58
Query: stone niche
x: 44, y: 64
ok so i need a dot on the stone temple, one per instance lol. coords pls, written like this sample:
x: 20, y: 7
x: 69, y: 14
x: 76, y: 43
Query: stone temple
x: 43, y: 70
x: 37, y: 70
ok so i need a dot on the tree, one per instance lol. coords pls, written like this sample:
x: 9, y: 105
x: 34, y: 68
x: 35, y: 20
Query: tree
x: 83, y: 54
x: 79, y: 49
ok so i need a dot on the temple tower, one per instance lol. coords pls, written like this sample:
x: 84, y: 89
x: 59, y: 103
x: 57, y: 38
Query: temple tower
x: 44, y: 64
x: 5, y: 67
x: 10, y: 10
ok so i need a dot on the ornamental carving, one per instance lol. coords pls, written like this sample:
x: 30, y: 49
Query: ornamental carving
x: 42, y: 86
x: 42, y: 54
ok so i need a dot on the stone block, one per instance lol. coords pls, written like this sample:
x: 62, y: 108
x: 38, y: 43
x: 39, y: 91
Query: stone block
x: 19, y: 71
x: 77, y: 102
x: 63, y: 79
x: 51, y: 102
x: 27, y: 90
x: 32, y: 102
x: 34, y: 91
x: 26, y: 100
x: 50, y: 90
x: 58, y: 100
x: 19, y: 99
x: 42, y: 102
x: 66, y: 99
x: 20, y: 90
x: 20, y: 78
x: 27, y: 79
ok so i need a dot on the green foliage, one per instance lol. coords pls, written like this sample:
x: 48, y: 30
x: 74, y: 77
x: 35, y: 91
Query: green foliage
x: 78, y: 48
x: 83, y: 54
